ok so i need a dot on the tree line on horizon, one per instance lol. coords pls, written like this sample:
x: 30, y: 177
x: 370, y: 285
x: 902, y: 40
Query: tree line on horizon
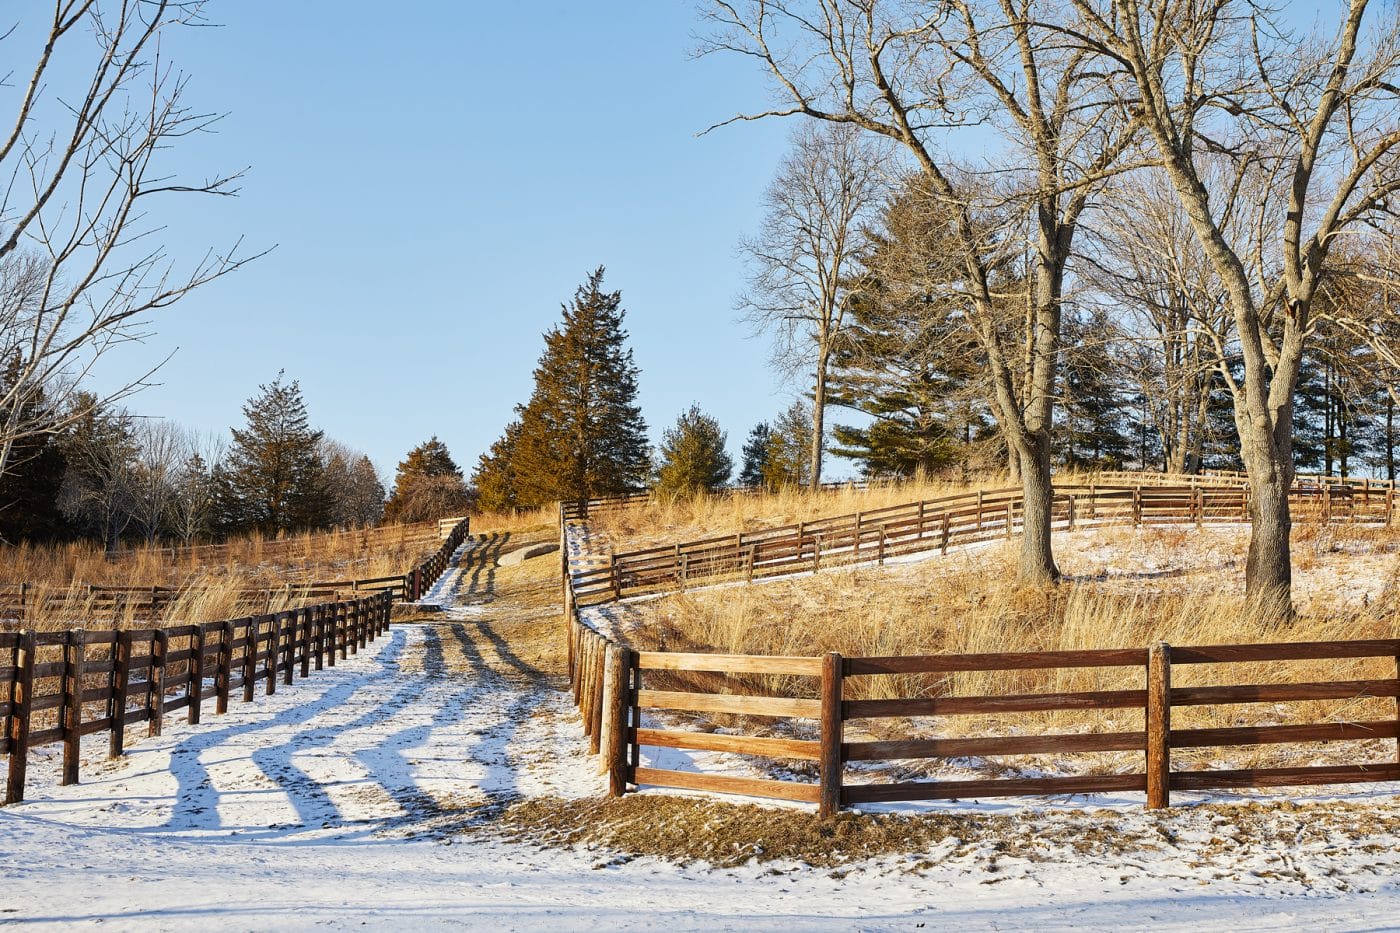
x: 114, y: 477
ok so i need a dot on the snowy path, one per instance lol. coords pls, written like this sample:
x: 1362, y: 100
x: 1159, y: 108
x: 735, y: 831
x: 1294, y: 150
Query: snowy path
x: 341, y: 802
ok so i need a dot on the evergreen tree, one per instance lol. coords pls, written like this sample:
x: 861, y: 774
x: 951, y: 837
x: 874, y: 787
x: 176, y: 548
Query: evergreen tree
x: 789, y: 440
x: 428, y: 485
x: 30, y: 484
x: 693, y: 458
x: 494, y: 477
x: 1093, y: 421
x: 581, y: 433
x: 755, y: 455
x: 274, y: 479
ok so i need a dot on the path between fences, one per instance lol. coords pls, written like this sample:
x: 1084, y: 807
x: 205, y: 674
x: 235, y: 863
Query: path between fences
x: 436, y: 726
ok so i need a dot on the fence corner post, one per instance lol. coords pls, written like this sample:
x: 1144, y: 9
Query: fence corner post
x: 617, y: 716
x: 1159, y: 710
x: 72, y: 716
x: 831, y: 770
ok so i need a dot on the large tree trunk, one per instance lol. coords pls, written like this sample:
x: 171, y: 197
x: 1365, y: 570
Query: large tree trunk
x: 1268, y: 574
x: 1037, y: 560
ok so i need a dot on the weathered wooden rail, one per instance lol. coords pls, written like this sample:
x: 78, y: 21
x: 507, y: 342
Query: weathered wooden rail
x: 59, y: 686
x: 937, y: 524
x: 620, y: 691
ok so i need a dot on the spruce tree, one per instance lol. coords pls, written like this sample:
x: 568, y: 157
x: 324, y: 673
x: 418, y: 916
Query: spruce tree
x: 274, y: 478
x: 581, y: 433
x: 693, y: 458
x: 755, y: 455
x: 789, y: 441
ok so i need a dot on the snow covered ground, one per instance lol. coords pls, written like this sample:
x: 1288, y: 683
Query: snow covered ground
x: 364, y: 797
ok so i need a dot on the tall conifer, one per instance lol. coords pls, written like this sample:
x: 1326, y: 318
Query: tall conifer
x: 582, y: 434
x: 274, y: 479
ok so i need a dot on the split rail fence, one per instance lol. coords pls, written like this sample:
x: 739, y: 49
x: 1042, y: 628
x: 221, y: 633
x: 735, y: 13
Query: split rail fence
x: 62, y: 685
x: 937, y: 524
x: 619, y: 690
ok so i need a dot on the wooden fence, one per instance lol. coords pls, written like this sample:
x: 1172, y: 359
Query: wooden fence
x: 617, y: 689
x: 937, y: 524
x: 20, y: 602
x: 60, y: 686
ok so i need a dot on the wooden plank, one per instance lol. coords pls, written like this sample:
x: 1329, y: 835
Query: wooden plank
x: 1287, y: 651
x: 1272, y: 735
x: 1016, y: 703
x: 995, y: 745
x: 1270, y: 693
x: 764, y: 746
x: 1010, y: 787
x: 726, y: 703
x: 1008, y: 661
x: 722, y: 784
x: 728, y: 663
x: 1286, y: 777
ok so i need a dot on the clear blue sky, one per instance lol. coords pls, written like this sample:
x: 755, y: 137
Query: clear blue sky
x: 438, y: 177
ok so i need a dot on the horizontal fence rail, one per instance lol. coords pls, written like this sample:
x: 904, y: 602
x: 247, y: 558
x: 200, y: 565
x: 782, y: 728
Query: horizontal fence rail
x: 60, y: 686
x: 623, y: 693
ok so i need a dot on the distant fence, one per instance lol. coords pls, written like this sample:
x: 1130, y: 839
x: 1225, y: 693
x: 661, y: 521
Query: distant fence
x: 368, y: 539
x: 20, y: 602
x: 940, y: 523
x: 615, y: 686
x: 60, y: 686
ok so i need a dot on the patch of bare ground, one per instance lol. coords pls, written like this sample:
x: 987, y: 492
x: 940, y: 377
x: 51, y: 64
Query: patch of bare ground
x: 1336, y: 844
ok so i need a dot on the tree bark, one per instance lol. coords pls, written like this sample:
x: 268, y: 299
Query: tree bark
x: 1037, y: 561
x: 1268, y: 571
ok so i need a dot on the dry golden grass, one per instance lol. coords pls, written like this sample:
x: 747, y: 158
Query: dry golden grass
x: 666, y: 519
x: 970, y: 603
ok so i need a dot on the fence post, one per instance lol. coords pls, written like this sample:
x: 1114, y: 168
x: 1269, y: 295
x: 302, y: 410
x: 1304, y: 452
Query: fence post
x: 1159, y: 727
x: 881, y: 552
x: 1071, y: 512
x: 318, y: 627
x: 195, y: 690
x: 121, y: 680
x: 947, y: 531
x: 155, y: 681
x: 288, y: 627
x: 250, y: 659
x: 1137, y: 506
x: 21, y: 698
x: 223, y: 668
x: 619, y: 710
x: 979, y: 511
x: 613, y: 575
x: 817, y: 552
x: 830, y: 770
x: 72, y: 713
x: 274, y: 644
x: 753, y: 555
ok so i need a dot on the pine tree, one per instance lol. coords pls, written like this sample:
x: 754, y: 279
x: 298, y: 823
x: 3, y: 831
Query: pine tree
x: 30, y: 483
x: 755, y: 455
x: 693, y: 458
x: 274, y: 479
x: 789, y: 440
x: 428, y: 485
x: 1092, y: 419
x: 581, y: 433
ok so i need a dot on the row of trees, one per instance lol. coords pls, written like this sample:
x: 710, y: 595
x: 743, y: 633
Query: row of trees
x: 1200, y: 177
x: 112, y: 476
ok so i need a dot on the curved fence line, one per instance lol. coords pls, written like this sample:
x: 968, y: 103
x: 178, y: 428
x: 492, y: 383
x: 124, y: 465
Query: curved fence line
x: 620, y: 691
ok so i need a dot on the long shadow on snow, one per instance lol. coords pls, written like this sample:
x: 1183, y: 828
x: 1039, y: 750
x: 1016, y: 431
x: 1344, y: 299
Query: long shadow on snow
x: 196, y: 801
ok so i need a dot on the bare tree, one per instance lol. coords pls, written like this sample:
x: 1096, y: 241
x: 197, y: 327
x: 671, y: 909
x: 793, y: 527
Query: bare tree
x: 160, y: 451
x: 195, y: 490
x: 933, y: 77
x: 1170, y: 307
x: 1309, y: 128
x: 81, y: 263
x: 806, y: 258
